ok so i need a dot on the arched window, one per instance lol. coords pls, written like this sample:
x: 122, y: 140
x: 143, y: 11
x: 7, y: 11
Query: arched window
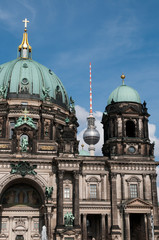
x: 130, y: 129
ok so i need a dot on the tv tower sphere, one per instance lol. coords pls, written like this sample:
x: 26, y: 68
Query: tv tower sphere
x: 91, y: 135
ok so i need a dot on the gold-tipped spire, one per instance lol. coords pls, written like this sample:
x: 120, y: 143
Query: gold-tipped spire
x: 123, y: 77
x: 82, y: 145
x: 24, y: 47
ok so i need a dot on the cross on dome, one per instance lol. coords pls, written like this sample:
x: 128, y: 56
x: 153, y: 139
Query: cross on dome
x: 25, y: 23
x: 25, y: 114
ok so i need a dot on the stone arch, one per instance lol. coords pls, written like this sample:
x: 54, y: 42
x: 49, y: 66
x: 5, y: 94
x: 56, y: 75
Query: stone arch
x: 34, y: 181
x: 92, y: 179
x: 133, y: 179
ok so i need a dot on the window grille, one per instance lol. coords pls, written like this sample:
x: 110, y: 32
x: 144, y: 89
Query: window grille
x: 133, y: 190
x: 67, y: 193
x: 93, y: 191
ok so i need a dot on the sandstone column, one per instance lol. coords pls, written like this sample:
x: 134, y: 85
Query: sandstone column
x: 60, y: 199
x: 127, y: 226
x: 84, y: 227
x: 76, y: 198
x: 103, y: 226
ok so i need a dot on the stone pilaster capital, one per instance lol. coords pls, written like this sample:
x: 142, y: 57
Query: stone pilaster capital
x: 102, y: 176
x: 153, y: 176
x: 60, y: 174
x: 76, y: 174
x: 113, y: 176
x: 144, y: 175
x: 126, y: 215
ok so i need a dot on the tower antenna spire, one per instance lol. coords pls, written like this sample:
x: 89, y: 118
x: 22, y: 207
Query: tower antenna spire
x: 91, y: 136
x: 90, y: 82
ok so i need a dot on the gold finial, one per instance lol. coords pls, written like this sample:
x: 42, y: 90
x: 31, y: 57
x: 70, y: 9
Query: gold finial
x: 25, y: 114
x: 24, y: 47
x: 25, y: 24
x: 123, y: 77
x: 82, y: 145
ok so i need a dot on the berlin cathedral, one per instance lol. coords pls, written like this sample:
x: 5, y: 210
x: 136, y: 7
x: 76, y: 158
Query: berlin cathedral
x: 51, y: 191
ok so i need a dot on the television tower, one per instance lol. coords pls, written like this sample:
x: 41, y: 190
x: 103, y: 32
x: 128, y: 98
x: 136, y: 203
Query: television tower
x: 91, y: 135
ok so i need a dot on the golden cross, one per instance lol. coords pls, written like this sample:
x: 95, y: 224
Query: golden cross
x: 25, y: 114
x: 25, y: 23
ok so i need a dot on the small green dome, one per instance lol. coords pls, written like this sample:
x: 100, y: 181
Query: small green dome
x: 124, y: 93
x: 84, y: 153
x: 24, y: 77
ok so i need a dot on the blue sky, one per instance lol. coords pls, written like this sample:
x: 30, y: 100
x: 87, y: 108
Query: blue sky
x: 116, y: 36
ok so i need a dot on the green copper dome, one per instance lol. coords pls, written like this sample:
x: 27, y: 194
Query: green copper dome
x: 32, y: 80
x: 124, y: 93
x: 24, y: 78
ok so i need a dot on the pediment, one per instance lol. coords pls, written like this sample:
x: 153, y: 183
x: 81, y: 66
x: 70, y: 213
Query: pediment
x: 25, y: 125
x: 131, y: 109
x: 138, y: 203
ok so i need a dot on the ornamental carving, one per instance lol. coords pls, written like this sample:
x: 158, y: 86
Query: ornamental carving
x: 25, y: 120
x: 23, y: 168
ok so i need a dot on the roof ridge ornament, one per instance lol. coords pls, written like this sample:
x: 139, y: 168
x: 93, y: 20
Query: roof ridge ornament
x: 24, y: 48
x: 123, y: 77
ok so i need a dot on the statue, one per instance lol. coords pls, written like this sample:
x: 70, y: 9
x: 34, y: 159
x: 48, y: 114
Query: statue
x: 23, y: 168
x: 46, y: 93
x: 2, y: 91
x: 43, y: 233
x: 48, y: 192
x: 67, y: 120
x: 19, y: 122
x: 69, y: 218
x: 72, y: 105
x: 30, y: 122
x: 24, y: 144
x: 58, y: 94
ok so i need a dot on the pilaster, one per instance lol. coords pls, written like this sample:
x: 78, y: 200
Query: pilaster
x: 60, y: 199
x: 115, y: 227
x: 84, y: 227
x: 76, y: 198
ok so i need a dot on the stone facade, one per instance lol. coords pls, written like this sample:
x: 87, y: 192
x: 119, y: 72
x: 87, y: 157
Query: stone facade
x: 111, y: 197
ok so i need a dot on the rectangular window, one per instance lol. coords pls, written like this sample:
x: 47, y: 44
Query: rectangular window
x: 133, y: 191
x: 12, y: 124
x: 93, y: 191
x: 67, y: 193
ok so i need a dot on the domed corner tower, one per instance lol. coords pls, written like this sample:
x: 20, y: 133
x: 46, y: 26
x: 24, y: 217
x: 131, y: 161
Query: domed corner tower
x: 34, y: 105
x: 91, y: 136
x: 125, y: 123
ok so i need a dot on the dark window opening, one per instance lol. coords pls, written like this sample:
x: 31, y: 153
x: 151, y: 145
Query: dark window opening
x: 19, y: 237
x: 130, y: 129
